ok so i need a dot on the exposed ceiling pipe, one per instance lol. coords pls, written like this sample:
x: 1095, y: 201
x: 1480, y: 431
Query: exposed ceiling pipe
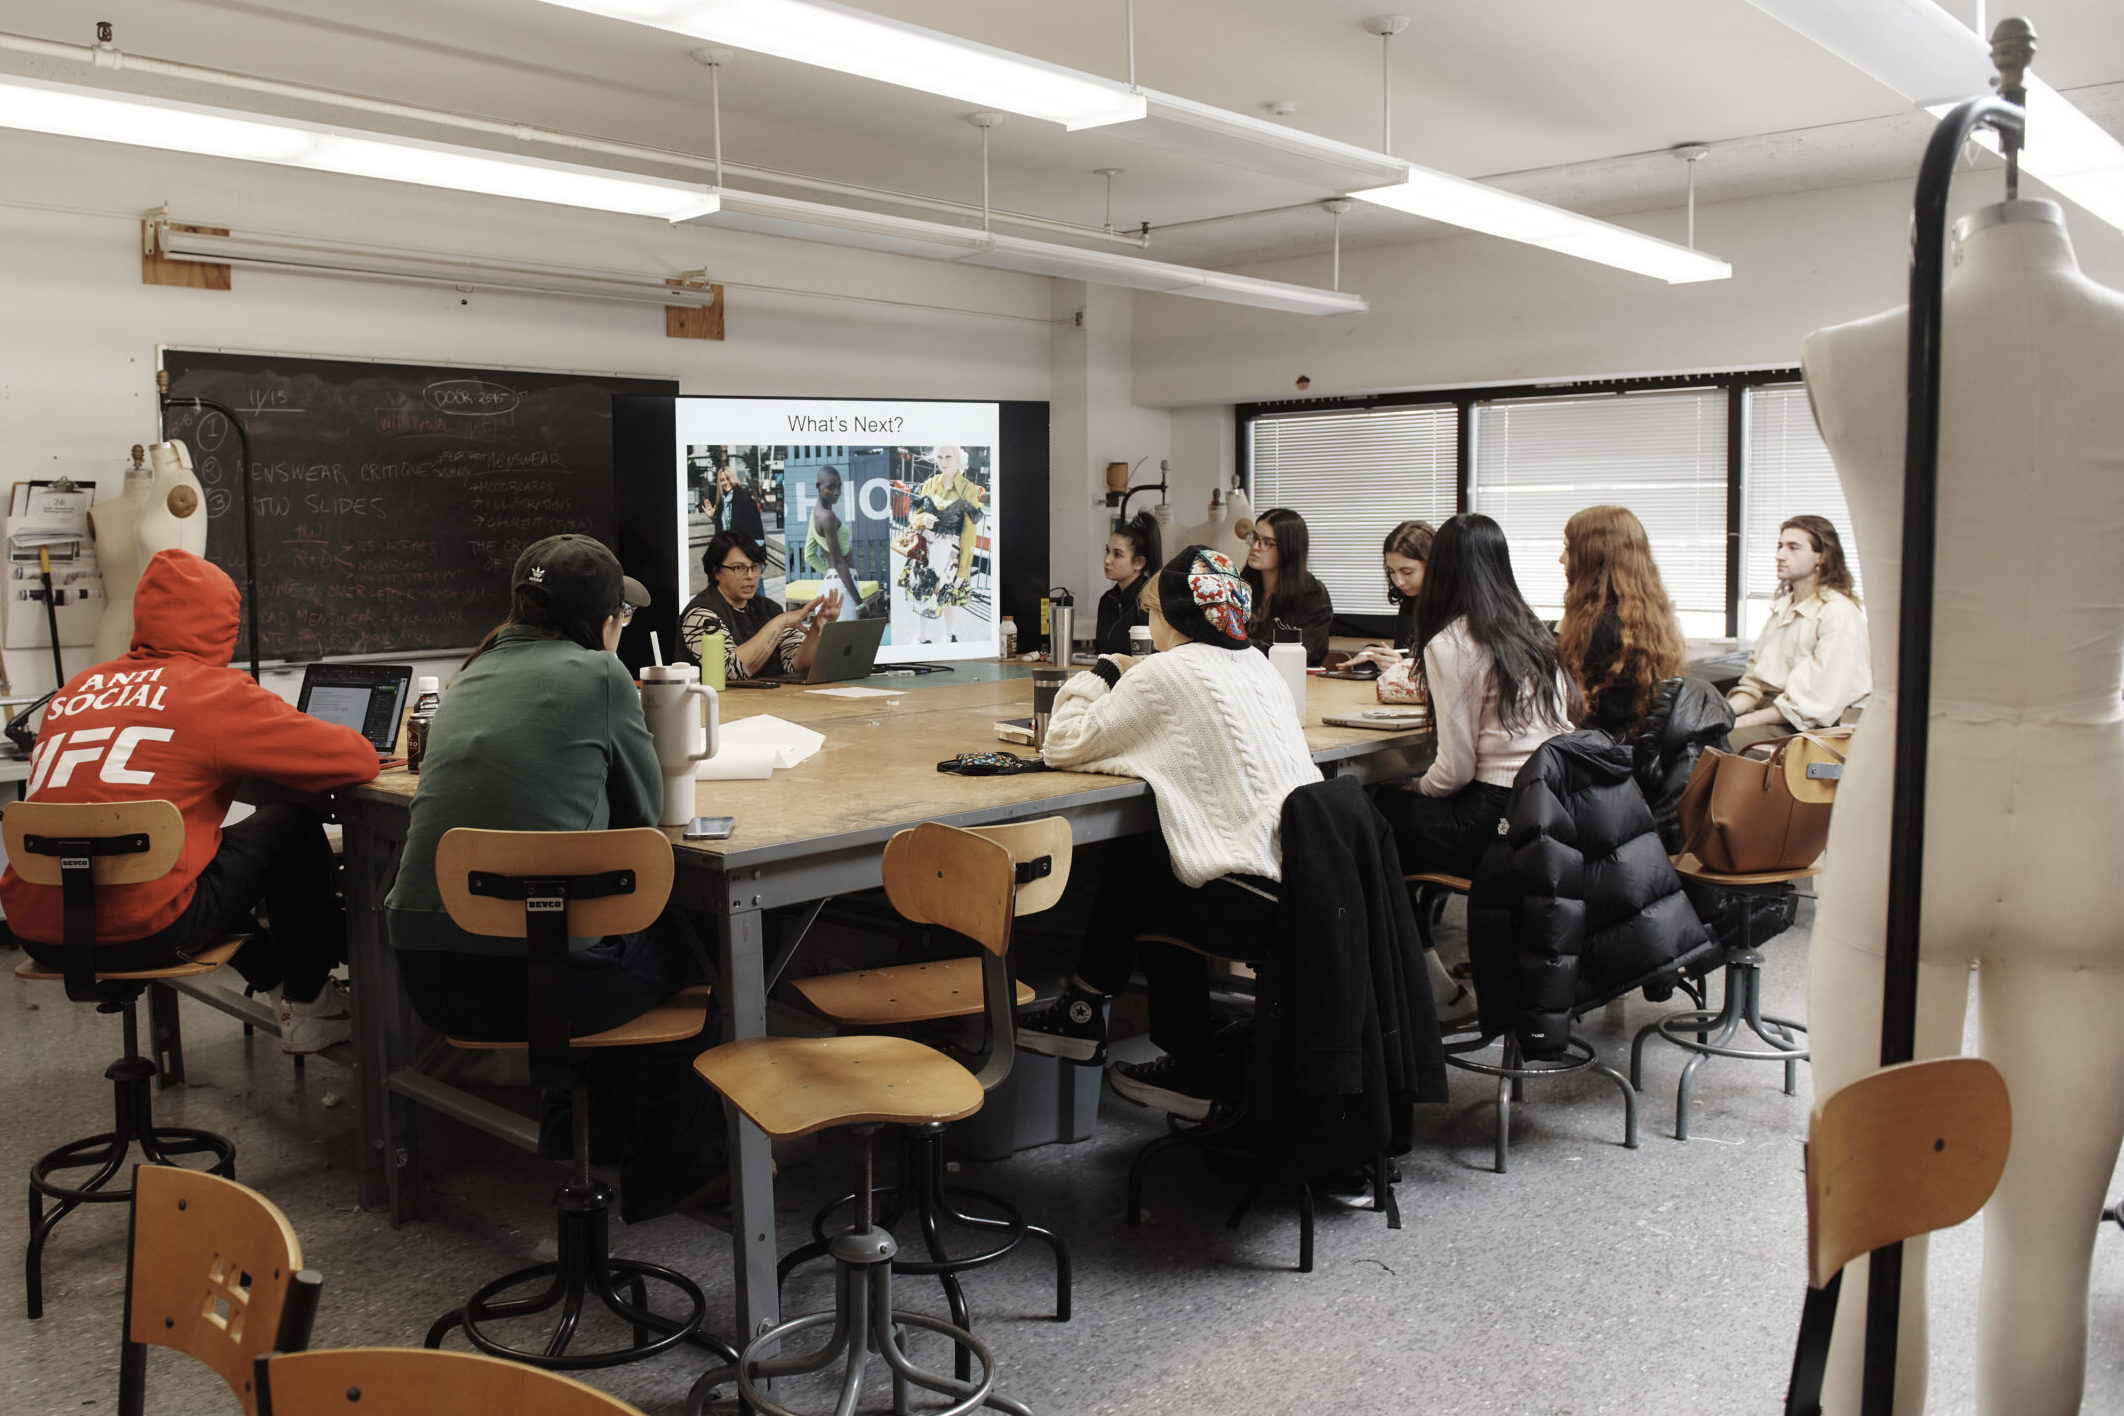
x: 102, y: 56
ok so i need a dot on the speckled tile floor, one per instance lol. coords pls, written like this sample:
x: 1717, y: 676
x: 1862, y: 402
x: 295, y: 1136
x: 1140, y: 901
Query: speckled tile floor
x: 1589, y: 1280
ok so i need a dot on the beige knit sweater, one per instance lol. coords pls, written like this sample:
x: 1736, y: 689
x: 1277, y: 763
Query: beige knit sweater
x: 1213, y: 732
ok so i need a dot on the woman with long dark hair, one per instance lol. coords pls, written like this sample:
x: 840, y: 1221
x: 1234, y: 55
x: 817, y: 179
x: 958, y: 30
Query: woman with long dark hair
x: 542, y: 730
x: 1497, y: 692
x: 1619, y: 637
x: 1132, y: 558
x: 1283, y: 589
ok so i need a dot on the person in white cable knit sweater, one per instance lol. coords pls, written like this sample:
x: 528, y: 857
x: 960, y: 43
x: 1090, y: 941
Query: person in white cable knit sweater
x: 1211, y: 727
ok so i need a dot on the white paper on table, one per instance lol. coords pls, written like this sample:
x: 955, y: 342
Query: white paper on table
x: 858, y: 692
x: 754, y: 747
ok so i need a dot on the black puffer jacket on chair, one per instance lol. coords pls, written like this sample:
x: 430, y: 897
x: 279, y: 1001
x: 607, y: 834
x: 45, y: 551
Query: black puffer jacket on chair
x: 1687, y: 716
x: 1576, y: 903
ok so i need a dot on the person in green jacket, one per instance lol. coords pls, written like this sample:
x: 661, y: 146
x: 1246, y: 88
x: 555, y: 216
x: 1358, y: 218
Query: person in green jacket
x: 542, y: 730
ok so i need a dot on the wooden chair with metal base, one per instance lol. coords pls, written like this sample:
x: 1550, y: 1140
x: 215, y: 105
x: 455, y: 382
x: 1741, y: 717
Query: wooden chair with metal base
x: 544, y: 887
x: 82, y: 848
x: 1512, y: 1071
x: 412, y: 1381
x: 1903, y: 1152
x: 1710, y: 1034
x: 213, y: 1271
x: 789, y: 1087
x: 1228, y: 1132
x: 895, y: 998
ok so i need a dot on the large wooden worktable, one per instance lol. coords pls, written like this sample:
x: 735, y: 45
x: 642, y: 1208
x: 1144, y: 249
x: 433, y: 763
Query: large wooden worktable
x: 809, y: 833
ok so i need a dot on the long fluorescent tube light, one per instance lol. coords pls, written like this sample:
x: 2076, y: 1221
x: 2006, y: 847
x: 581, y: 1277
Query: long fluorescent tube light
x: 873, y: 47
x: 1456, y: 201
x: 929, y: 240
x: 1932, y: 59
x: 1242, y: 140
x: 316, y: 255
x: 182, y: 127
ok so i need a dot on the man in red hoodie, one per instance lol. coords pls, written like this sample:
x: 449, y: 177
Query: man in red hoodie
x: 172, y: 721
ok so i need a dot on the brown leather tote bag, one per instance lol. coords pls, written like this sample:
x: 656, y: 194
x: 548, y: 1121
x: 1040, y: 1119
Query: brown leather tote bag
x: 1747, y: 815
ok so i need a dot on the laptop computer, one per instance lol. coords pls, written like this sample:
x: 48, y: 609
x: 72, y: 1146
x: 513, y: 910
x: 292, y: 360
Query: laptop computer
x: 369, y: 698
x: 848, y: 649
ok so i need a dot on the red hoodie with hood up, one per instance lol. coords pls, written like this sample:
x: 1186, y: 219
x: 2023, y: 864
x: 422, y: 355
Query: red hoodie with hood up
x: 172, y: 721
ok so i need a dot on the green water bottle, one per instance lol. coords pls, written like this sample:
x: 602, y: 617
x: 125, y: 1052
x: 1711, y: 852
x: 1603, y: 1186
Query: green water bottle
x: 715, y: 648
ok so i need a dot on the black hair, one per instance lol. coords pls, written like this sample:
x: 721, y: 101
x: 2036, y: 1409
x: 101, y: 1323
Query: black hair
x: 1293, y: 542
x: 1468, y: 574
x: 529, y: 610
x: 1141, y: 533
x: 722, y: 544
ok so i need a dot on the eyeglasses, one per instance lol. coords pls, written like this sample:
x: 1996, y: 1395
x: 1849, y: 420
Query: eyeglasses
x: 626, y: 614
x: 740, y: 567
x: 1262, y: 538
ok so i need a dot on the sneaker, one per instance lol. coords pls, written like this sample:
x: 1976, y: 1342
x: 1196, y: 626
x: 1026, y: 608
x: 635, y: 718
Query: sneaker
x: 1170, y: 1085
x: 1073, y: 1028
x: 318, y: 1024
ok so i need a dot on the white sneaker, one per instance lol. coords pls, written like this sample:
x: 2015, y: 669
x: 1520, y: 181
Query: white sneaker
x: 318, y: 1024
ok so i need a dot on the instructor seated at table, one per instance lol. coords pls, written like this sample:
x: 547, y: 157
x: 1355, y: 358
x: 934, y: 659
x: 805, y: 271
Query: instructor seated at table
x: 1810, y: 663
x: 542, y: 730
x: 761, y: 639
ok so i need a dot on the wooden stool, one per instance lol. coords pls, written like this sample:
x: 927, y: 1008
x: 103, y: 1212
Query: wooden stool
x: 1712, y: 1034
x: 788, y: 1087
x: 1902, y: 1152
x: 1041, y: 852
x: 1229, y: 1132
x: 214, y: 1273
x: 81, y: 848
x: 348, y: 1380
x: 544, y: 887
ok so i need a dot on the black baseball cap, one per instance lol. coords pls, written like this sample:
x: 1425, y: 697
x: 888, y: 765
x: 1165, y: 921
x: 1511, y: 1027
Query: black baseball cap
x: 578, y: 576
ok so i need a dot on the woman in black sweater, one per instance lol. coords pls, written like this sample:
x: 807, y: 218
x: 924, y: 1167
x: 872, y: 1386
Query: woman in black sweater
x: 1619, y: 637
x: 1132, y: 558
x: 1283, y: 589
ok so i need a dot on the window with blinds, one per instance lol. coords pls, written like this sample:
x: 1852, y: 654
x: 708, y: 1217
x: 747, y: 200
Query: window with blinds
x: 1353, y: 476
x: 1662, y: 455
x: 1788, y: 474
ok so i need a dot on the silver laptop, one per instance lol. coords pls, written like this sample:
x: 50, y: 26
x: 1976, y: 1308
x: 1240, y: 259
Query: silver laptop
x: 847, y: 650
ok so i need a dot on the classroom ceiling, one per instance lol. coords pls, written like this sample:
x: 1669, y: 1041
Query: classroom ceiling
x: 1566, y: 101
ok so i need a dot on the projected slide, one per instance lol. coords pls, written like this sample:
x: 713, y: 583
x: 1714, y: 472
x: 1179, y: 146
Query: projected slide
x: 869, y: 510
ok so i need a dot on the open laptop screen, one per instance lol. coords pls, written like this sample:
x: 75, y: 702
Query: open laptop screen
x: 369, y: 698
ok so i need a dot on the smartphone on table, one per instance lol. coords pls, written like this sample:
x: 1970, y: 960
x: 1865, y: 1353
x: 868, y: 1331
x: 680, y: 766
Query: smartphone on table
x: 709, y: 828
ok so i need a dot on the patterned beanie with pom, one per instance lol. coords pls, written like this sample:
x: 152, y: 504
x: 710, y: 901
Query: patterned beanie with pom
x: 1202, y: 597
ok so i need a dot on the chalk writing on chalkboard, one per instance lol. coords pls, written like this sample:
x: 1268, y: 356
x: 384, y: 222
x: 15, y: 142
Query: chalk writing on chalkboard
x: 390, y: 500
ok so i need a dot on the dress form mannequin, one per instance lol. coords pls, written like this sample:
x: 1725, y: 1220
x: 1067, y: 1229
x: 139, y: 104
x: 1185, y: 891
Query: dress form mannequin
x: 2026, y: 778
x: 160, y: 510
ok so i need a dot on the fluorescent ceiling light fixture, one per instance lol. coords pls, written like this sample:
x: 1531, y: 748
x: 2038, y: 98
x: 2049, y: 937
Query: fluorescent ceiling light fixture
x: 930, y: 240
x: 319, y: 255
x: 1932, y: 59
x: 182, y: 127
x: 873, y: 47
x: 1257, y: 145
x: 1456, y: 201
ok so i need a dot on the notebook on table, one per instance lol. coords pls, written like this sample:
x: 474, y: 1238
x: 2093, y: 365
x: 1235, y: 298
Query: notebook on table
x: 369, y: 698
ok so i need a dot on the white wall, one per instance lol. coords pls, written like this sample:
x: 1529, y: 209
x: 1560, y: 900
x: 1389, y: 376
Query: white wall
x: 1471, y: 310
x: 78, y: 359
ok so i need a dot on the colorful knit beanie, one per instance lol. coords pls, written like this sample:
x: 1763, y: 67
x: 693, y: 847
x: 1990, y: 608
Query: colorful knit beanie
x: 1202, y: 597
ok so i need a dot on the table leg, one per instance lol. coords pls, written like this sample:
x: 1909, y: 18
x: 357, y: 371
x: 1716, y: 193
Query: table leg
x: 384, y: 1122
x: 741, y: 967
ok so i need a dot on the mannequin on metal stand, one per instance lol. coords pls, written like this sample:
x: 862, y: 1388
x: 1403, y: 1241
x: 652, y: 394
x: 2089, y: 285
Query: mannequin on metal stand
x: 2025, y: 780
x: 159, y: 510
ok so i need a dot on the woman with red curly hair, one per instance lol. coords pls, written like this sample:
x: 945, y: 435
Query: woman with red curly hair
x: 1619, y: 636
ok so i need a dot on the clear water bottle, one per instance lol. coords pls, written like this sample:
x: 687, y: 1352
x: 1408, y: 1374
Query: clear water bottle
x: 427, y: 697
x: 1287, y: 655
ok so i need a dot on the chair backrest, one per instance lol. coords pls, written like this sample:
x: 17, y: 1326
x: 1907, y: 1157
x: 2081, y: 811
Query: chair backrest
x: 1042, y: 851
x: 214, y: 1271
x: 545, y: 887
x: 1905, y: 1151
x: 395, y: 1381
x: 82, y: 846
x: 941, y: 875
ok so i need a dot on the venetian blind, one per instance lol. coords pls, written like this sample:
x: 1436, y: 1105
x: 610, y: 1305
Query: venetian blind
x: 1662, y: 455
x: 1353, y: 476
x: 1788, y: 474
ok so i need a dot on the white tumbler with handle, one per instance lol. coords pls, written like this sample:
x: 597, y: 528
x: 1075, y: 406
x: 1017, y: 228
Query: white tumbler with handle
x: 683, y: 718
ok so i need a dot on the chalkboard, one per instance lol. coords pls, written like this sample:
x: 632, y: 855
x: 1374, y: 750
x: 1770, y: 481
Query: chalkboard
x: 389, y: 501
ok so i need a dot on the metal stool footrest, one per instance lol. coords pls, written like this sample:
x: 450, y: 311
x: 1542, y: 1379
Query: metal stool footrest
x: 1713, y: 1034
x: 1514, y: 1071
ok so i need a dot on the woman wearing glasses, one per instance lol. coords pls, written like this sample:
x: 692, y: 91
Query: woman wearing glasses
x: 1283, y: 589
x: 542, y: 730
x: 763, y: 637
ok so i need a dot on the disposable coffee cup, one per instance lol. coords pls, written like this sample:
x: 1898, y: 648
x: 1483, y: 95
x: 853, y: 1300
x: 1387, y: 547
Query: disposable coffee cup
x: 1046, y: 682
x: 1139, y: 640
